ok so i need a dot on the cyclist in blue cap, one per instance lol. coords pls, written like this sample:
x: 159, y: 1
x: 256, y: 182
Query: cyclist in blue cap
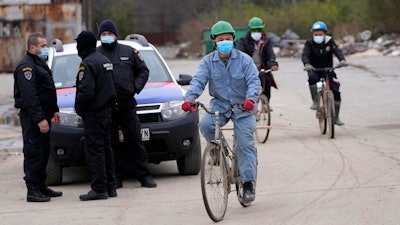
x: 318, y: 53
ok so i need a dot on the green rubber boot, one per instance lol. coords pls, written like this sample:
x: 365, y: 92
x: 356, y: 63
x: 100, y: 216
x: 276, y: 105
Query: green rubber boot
x: 314, y: 96
x: 337, y: 110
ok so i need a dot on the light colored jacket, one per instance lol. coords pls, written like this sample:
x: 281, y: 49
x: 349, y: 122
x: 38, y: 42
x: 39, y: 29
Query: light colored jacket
x: 230, y: 84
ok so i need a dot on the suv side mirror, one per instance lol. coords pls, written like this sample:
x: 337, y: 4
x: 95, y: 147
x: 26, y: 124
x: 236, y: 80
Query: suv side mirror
x: 184, y: 79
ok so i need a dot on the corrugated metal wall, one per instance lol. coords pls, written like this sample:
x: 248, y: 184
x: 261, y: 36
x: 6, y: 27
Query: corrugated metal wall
x: 17, y: 22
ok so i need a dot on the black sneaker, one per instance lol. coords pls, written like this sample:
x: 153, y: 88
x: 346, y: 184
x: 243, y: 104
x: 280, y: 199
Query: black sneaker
x: 35, y: 195
x: 148, y: 182
x: 48, y: 192
x: 248, y: 192
x: 93, y: 195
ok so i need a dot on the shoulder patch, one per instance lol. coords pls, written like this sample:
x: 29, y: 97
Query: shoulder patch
x: 80, y: 75
x: 28, y: 74
x: 138, y: 54
x: 26, y: 69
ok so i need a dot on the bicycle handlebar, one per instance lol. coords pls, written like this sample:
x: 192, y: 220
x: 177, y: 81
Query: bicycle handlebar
x: 197, y: 104
x: 265, y: 71
x: 327, y: 69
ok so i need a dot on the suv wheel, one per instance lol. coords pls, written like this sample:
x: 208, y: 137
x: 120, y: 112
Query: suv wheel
x: 190, y: 164
x: 54, y: 172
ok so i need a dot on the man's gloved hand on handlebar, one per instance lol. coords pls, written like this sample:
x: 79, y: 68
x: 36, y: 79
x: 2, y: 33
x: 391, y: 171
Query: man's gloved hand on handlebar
x: 248, y: 104
x: 188, y: 106
x: 308, y: 67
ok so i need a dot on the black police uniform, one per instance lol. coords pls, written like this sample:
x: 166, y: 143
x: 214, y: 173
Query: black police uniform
x: 35, y: 96
x: 267, y: 58
x: 95, y: 94
x: 320, y: 56
x: 130, y: 77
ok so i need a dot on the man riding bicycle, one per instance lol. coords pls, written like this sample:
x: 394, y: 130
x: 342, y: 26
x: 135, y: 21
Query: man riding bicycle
x: 256, y: 45
x: 318, y: 53
x: 232, y: 77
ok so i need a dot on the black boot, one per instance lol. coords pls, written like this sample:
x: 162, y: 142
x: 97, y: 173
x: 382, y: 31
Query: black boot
x: 148, y: 182
x: 34, y: 194
x: 47, y: 191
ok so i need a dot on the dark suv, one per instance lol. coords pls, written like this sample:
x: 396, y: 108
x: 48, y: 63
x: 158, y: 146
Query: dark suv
x: 168, y: 132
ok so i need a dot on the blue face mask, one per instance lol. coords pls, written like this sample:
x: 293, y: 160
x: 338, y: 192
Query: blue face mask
x: 44, y: 52
x: 318, y: 39
x: 107, y: 39
x: 256, y: 36
x: 225, y: 47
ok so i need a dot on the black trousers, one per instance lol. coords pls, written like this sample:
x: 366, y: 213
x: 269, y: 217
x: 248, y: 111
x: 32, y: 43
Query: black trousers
x: 314, y: 77
x: 132, y: 151
x: 266, y: 84
x: 99, y: 154
x: 36, y: 149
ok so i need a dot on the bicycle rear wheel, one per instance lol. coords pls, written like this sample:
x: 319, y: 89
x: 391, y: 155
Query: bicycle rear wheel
x: 330, y: 115
x: 263, y: 118
x: 321, y: 114
x: 214, y: 182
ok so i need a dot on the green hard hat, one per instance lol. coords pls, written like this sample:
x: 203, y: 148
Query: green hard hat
x: 256, y: 23
x: 221, y: 27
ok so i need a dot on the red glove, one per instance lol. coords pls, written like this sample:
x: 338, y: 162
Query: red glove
x: 187, y: 106
x: 248, y: 105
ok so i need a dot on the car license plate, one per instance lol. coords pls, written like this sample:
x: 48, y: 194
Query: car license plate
x: 145, y: 134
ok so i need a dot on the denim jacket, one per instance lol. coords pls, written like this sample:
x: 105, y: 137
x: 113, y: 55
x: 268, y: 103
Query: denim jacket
x: 230, y: 84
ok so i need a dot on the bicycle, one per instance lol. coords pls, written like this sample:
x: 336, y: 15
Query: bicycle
x: 263, y: 113
x: 219, y: 169
x: 325, y: 112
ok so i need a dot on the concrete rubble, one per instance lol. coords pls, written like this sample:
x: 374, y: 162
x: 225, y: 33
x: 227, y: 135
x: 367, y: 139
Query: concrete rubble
x: 362, y: 45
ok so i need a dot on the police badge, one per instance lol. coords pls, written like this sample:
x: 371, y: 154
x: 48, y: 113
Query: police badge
x: 80, y: 75
x: 28, y: 75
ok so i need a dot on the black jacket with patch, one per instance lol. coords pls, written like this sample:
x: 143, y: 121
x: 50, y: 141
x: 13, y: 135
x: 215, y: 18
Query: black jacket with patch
x: 34, y: 88
x: 130, y: 72
x: 94, y: 84
x: 320, y: 55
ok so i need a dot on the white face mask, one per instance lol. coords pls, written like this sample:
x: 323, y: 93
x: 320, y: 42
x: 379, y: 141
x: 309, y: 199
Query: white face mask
x: 318, y: 39
x: 256, y: 36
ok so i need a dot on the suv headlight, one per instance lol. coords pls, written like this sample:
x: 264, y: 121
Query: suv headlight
x: 172, y: 110
x: 68, y: 117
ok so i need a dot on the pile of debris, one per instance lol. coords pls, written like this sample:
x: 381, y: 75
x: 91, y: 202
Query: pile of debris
x: 385, y: 45
x: 290, y: 45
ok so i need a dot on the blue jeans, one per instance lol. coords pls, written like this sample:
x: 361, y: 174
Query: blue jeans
x: 244, y: 132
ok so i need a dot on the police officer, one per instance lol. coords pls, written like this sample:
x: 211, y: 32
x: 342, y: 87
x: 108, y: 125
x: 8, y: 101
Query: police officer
x: 35, y: 96
x: 95, y: 94
x: 130, y: 77
x: 256, y: 45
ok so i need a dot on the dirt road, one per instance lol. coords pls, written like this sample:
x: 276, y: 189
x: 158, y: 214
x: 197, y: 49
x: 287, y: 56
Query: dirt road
x: 303, y: 177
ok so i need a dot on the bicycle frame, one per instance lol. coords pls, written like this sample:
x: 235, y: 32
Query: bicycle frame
x: 219, y: 170
x: 222, y: 145
x: 326, y: 114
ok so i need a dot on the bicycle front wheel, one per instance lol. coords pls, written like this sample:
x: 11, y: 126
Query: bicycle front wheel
x: 214, y: 182
x: 263, y: 118
x: 321, y: 113
x: 330, y: 115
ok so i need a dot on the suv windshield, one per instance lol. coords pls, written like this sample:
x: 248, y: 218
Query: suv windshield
x: 65, y: 68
